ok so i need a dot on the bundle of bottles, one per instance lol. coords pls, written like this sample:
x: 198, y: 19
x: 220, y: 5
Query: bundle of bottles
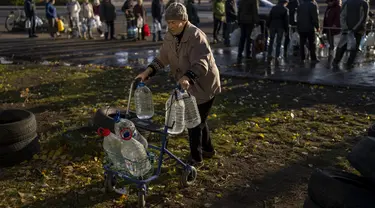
x: 126, y: 148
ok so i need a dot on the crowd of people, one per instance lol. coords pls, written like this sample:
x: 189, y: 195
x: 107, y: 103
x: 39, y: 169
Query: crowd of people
x: 286, y: 17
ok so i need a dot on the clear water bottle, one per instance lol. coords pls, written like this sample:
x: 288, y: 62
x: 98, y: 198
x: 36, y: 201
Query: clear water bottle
x: 143, y: 101
x: 175, y: 113
x: 192, y: 117
x: 134, y: 154
x: 112, y: 148
x: 121, y: 127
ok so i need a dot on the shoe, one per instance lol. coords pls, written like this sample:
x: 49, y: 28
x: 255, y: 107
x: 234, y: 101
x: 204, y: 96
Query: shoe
x: 315, y: 61
x: 207, y: 155
x: 113, y: 38
x: 102, y: 35
x: 196, y: 164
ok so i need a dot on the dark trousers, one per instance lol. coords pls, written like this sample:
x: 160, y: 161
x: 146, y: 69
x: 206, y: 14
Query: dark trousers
x: 32, y: 28
x: 52, y: 27
x: 111, y: 30
x: 279, y: 33
x: 340, y: 51
x: 287, y: 38
x: 303, y: 38
x: 227, y: 32
x: 199, y: 137
x: 245, y: 39
x: 217, y: 27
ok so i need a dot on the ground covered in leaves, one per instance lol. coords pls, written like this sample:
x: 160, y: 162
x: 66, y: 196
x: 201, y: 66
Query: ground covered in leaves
x: 269, y: 137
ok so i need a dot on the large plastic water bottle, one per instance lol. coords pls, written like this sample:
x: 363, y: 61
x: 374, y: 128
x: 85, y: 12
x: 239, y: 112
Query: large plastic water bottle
x: 135, y: 155
x: 175, y: 113
x: 112, y: 146
x: 121, y: 127
x: 192, y: 117
x: 143, y: 101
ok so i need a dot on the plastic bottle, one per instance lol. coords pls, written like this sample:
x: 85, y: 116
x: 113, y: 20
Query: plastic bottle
x: 135, y: 155
x: 175, y: 113
x: 143, y: 101
x: 122, y: 124
x: 112, y: 146
x: 192, y: 117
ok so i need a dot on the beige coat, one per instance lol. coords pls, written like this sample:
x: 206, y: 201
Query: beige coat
x: 194, y: 54
x: 87, y: 10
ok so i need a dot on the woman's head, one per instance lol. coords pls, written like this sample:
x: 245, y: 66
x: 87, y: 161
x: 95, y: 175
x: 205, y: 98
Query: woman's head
x: 176, y: 17
x: 96, y: 2
x: 333, y: 2
x: 52, y: 1
x: 140, y: 2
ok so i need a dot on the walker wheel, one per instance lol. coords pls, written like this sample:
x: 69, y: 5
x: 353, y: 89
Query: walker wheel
x: 188, y: 177
x: 109, y: 182
x: 142, y: 198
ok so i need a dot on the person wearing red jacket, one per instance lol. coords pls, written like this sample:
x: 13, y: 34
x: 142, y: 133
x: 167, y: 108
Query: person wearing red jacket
x: 332, y: 20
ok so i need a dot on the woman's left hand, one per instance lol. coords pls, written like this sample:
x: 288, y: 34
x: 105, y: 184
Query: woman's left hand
x: 184, y: 82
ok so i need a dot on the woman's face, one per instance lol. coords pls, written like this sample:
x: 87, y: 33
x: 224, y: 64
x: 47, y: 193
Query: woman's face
x: 330, y: 2
x: 176, y: 26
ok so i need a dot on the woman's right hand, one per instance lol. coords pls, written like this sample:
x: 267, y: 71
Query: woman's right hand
x: 144, y: 75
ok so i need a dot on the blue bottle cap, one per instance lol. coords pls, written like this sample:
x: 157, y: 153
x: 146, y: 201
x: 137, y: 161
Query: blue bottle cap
x: 141, y: 84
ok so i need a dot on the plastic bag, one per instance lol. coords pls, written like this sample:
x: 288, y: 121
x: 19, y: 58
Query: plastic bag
x: 351, y: 42
x: 28, y: 24
x: 60, y: 25
x: 256, y: 31
x: 97, y: 20
x: 140, y: 22
x: 370, y: 39
x: 146, y: 30
x: 294, y: 39
x: 38, y: 21
x: 156, y: 26
x: 235, y: 37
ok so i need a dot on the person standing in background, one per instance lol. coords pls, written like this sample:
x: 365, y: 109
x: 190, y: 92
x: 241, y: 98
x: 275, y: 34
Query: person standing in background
x: 108, y: 14
x: 96, y: 9
x: 230, y: 17
x: 332, y: 20
x: 51, y: 16
x: 88, y: 15
x: 140, y: 13
x: 247, y: 18
x: 192, y: 13
x: 307, y: 26
x: 30, y: 15
x: 74, y: 9
x: 292, y: 7
x: 219, y: 18
x: 353, y: 18
x: 157, y: 11
x: 278, y: 24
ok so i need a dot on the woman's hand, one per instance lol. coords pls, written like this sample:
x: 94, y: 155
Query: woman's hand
x: 144, y: 75
x: 184, y: 82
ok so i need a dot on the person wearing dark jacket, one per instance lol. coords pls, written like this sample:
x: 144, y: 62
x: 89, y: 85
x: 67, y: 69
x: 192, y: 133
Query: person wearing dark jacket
x: 278, y: 23
x: 231, y: 17
x: 292, y: 7
x: 51, y: 16
x: 307, y: 24
x: 30, y: 15
x: 127, y: 8
x: 332, y: 20
x: 247, y: 18
x: 108, y: 15
x: 353, y: 18
x: 192, y: 13
x: 157, y: 11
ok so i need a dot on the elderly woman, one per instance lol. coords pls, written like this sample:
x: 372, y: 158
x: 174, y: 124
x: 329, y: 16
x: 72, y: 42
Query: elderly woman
x: 187, y: 51
x: 332, y: 20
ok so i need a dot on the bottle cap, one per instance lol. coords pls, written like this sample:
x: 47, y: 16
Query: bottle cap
x: 141, y: 84
x: 103, y: 132
x: 126, y: 134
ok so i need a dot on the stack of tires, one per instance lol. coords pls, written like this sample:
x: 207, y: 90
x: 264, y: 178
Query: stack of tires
x: 329, y: 188
x: 18, y: 137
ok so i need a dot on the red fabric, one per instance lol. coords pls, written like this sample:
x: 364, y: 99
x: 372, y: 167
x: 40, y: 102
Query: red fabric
x: 332, y: 18
x: 146, y: 30
x: 96, y: 9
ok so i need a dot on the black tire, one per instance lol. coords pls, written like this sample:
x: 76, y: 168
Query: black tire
x: 104, y: 117
x: 26, y: 153
x: 337, y: 189
x: 362, y: 157
x: 16, y: 125
x: 371, y: 131
x: 310, y: 204
x: 17, y: 146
